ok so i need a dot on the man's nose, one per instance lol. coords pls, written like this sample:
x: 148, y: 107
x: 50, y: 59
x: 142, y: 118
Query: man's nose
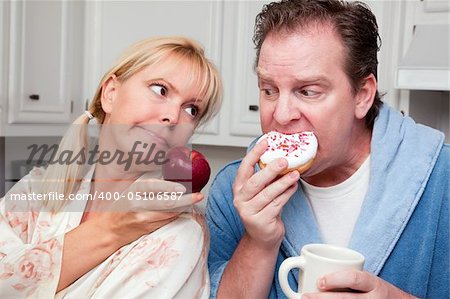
x: 286, y: 109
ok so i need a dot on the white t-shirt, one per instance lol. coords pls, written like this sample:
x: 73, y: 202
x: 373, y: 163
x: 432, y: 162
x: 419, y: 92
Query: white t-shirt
x: 337, y: 208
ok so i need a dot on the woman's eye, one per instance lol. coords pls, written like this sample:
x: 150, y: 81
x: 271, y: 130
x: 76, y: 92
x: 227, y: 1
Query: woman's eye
x: 159, y: 89
x: 192, y: 110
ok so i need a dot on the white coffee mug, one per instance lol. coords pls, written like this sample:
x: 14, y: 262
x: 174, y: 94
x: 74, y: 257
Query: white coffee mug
x: 315, y: 261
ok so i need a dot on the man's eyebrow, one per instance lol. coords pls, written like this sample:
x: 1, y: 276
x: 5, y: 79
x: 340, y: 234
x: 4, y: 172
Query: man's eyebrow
x: 261, y: 76
x: 314, y: 80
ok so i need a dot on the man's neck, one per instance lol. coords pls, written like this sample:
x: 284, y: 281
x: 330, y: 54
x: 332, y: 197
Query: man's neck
x: 347, y: 167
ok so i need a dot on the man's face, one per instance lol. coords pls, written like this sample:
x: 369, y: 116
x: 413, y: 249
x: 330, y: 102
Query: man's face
x: 303, y: 87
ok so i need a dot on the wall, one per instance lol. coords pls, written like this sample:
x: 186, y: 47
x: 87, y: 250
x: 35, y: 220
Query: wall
x: 2, y: 166
x: 431, y: 108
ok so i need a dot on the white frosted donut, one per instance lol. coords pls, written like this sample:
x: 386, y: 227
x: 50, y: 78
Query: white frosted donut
x: 299, y: 149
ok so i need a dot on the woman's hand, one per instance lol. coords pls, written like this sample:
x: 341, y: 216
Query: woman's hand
x: 113, y: 224
x: 259, y: 197
x: 146, y: 205
x: 365, y: 284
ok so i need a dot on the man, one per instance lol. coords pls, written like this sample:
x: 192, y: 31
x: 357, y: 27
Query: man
x: 379, y: 184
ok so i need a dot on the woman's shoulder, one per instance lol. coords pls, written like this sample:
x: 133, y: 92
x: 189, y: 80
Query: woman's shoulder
x: 29, y: 182
x: 25, y: 194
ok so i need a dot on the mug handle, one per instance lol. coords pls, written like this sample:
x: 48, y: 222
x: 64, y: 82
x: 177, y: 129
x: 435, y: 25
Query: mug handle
x: 286, y: 266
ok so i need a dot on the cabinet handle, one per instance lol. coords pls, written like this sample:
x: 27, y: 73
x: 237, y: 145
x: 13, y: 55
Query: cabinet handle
x: 34, y: 97
x: 253, y: 108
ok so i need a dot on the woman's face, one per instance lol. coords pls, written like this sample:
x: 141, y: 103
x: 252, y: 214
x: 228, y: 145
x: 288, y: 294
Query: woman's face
x: 157, y: 107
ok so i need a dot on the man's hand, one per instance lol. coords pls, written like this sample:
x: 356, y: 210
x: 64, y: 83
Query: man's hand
x: 259, y: 197
x: 365, y: 285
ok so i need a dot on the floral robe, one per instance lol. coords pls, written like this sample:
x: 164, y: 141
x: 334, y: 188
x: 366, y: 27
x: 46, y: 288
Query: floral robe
x: 168, y: 263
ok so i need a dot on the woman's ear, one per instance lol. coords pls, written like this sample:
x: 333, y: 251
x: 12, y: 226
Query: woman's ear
x: 365, y: 96
x: 109, y: 91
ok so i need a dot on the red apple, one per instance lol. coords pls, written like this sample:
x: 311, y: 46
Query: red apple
x: 187, y: 167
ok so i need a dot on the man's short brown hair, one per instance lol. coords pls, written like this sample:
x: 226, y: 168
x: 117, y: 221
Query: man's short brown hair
x: 353, y: 22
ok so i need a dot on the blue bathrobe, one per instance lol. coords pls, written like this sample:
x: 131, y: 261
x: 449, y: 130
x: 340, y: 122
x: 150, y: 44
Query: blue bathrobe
x: 403, y: 227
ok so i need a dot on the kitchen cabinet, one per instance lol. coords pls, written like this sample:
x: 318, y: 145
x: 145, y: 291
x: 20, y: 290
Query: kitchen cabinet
x: 423, y: 75
x: 239, y: 117
x: 42, y: 48
x: 424, y: 60
x: 245, y: 93
x: 225, y: 30
x: 60, y: 49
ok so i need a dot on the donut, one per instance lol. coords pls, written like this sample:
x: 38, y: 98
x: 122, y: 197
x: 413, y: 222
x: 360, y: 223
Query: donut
x: 299, y: 149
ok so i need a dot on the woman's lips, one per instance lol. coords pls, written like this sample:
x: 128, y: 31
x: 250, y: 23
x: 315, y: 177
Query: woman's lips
x: 155, y: 137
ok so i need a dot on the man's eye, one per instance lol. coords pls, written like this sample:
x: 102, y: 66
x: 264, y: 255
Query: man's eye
x: 192, y: 110
x: 159, y: 89
x: 268, y: 92
x: 308, y: 93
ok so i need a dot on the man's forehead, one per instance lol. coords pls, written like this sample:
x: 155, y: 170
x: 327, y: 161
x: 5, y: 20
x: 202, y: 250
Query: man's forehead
x: 309, y: 30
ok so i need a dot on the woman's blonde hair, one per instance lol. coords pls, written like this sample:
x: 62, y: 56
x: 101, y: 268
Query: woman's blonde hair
x: 65, y: 179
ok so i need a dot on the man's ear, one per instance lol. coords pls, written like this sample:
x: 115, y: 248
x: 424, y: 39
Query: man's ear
x: 109, y: 91
x: 365, y: 96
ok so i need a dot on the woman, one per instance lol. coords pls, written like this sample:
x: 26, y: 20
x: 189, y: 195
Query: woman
x: 159, y: 91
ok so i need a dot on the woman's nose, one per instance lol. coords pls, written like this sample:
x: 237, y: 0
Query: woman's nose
x: 286, y: 110
x: 170, y: 115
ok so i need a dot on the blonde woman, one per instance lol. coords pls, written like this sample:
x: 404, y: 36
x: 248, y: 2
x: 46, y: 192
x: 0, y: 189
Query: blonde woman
x: 157, y: 94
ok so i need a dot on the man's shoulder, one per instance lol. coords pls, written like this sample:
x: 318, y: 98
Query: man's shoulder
x: 221, y: 187
x: 229, y: 169
x: 220, y: 197
x: 226, y: 175
x: 441, y: 169
x: 445, y: 152
x: 443, y: 159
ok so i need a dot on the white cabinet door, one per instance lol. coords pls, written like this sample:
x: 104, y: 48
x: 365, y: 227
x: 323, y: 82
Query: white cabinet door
x: 239, y: 117
x: 437, y: 6
x: 244, y: 94
x: 424, y: 51
x: 44, y: 47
